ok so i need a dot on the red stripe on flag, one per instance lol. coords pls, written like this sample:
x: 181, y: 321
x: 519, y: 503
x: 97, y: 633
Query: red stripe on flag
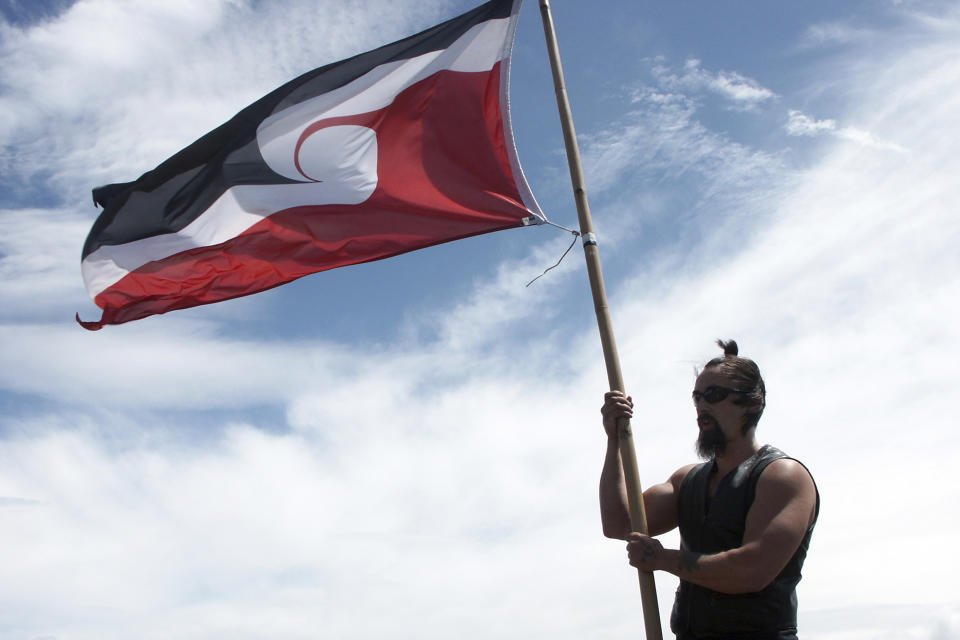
x: 282, y: 248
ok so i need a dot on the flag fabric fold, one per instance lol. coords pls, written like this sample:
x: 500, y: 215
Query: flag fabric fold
x: 393, y: 150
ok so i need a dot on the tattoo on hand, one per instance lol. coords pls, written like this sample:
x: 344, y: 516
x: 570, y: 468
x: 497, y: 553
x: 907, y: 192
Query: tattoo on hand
x: 648, y: 550
x: 689, y: 561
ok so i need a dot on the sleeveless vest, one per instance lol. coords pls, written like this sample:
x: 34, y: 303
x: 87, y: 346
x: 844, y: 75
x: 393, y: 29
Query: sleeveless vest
x: 711, y: 525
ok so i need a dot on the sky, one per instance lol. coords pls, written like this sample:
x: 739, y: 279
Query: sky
x: 410, y: 448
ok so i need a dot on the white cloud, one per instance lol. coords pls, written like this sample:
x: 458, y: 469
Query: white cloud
x: 661, y: 139
x: 800, y: 124
x: 834, y: 33
x: 413, y: 509
x: 39, y: 254
x: 743, y: 93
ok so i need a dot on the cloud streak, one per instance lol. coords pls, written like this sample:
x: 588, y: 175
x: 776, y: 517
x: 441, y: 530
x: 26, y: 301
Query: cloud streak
x: 742, y: 93
x: 800, y: 124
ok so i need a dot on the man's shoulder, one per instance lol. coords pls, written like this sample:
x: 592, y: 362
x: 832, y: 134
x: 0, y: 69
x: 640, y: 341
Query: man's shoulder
x: 681, y: 474
x: 780, y: 467
x: 785, y: 480
x: 786, y: 471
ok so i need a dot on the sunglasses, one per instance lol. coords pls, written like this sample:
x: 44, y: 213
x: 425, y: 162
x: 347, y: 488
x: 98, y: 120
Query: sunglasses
x: 714, y: 393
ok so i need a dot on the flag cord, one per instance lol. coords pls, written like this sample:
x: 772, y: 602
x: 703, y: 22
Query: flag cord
x: 576, y: 234
x: 560, y: 226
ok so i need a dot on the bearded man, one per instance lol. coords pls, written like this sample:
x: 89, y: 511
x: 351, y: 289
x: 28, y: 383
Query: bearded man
x: 745, y: 515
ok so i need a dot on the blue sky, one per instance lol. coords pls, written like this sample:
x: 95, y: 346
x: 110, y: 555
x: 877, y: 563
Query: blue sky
x: 411, y: 447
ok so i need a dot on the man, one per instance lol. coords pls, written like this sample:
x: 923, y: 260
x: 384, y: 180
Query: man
x: 745, y: 515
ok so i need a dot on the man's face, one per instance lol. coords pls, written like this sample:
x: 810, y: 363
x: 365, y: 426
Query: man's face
x: 720, y: 421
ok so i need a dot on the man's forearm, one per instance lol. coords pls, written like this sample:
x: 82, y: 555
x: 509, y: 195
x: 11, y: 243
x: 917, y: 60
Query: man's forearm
x: 727, y: 572
x: 614, y: 512
x: 739, y: 570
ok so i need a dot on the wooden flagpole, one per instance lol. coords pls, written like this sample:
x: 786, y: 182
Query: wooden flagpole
x: 628, y: 456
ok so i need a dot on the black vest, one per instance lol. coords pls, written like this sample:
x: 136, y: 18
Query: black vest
x: 714, y: 525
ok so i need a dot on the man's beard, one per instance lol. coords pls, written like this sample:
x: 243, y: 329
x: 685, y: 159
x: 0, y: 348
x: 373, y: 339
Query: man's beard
x: 711, y: 443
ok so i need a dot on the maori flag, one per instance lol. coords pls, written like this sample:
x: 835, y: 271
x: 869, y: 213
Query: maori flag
x: 393, y: 150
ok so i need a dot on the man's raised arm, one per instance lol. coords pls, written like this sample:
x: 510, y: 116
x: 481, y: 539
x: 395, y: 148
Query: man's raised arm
x: 659, y: 501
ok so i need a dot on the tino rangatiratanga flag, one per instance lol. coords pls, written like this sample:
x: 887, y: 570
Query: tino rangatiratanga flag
x: 390, y: 151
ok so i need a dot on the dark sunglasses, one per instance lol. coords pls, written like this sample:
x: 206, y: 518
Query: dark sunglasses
x: 714, y: 394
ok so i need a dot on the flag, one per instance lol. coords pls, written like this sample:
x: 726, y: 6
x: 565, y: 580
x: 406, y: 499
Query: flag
x: 393, y: 150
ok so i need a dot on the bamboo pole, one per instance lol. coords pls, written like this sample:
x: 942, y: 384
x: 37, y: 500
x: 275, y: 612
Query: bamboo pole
x: 628, y: 456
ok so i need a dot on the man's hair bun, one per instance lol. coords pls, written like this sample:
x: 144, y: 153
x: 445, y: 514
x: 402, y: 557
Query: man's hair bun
x: 729, y: 347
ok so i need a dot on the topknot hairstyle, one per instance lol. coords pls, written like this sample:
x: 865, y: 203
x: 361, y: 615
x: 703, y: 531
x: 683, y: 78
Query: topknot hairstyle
x: 729, y: 347
x: 745, y: 375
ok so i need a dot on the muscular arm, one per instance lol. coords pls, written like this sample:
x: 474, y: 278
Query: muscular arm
x: 659, y: 501
x: 782, y: 512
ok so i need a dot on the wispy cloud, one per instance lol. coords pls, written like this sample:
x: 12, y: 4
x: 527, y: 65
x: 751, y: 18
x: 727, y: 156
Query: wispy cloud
x: 741, y: 92
x: 6, y: 501
x: 662, y: 173
x: 39, y: 253
x: 662, y: 137
x: 834, y: 34
x: 800, y: 124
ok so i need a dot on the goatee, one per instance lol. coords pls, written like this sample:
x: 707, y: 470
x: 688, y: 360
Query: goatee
x: 711, y: 443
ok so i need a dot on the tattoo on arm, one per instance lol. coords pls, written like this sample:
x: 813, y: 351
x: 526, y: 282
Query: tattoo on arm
x: 689, y: 561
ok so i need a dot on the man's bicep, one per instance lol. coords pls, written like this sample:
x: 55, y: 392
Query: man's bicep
x: 781, y: 513
x: 661, y: 503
